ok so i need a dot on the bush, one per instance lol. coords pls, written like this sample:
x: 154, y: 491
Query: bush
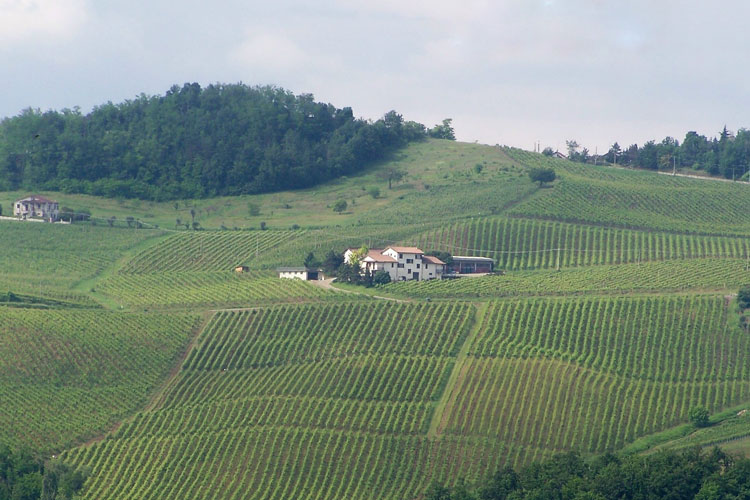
x: 381, y: 278
x: 743, y: 297
x: 374, y: 192
x: 699, y: 416
x: 340, y: 206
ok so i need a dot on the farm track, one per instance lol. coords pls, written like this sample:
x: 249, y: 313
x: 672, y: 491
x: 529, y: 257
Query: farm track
x: 437, y: 423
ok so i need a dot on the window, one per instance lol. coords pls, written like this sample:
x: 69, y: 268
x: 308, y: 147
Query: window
x: 417, y: 266
x: 409, y: 261
x: 400, y: 266
x: 400, y: 256
x: 408, y: 271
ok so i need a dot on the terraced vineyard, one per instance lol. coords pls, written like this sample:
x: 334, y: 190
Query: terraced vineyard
x: 593, y: 374
x: 68, y: 375
x: 666, y: 276
x: 206, y: 251
x: 206, y: 289
x: 311, y: 391
x: 538, y: 244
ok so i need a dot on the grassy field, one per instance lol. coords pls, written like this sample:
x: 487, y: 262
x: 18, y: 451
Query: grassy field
x: 614, y: 318
x: 71, y: 375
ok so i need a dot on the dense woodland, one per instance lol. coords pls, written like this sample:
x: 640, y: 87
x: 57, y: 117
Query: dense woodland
x: 692, y: 474
x: 196, y: 142
x: 727, y: 155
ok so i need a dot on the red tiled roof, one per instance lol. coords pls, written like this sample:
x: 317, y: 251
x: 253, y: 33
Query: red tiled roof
x: 406, y: 250
x: 377, y: 256
x: 432, y: 260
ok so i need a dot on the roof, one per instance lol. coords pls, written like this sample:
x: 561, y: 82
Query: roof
x: 377, y: 256
x: 406, y: 250
x: 35, y: 197
x: 468, y: 257
x: 296, y: 270
x: 432, y: 260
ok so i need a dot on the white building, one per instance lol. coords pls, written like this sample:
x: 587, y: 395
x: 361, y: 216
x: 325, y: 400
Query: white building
x: 36, y: 206
x: 300, y: 273
x: 401, y: 263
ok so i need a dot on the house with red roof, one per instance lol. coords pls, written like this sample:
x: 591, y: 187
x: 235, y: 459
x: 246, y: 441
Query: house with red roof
x: 401, y: 263
x: 36, y: 206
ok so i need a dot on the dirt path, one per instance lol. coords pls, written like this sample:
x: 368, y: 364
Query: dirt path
x: 327, y: 284
x: 438, y: 423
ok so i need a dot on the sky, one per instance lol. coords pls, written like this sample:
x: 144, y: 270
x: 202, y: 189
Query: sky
x: 512, y: 72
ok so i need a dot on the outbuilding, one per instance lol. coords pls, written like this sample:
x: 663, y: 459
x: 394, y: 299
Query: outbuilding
x: 471, y: 265
x: 300, y: 273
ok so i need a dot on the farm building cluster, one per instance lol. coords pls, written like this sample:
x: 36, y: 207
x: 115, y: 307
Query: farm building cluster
x: 402, y: 263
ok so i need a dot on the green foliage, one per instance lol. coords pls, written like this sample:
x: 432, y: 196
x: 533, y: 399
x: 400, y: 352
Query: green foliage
x: 691, y: 474
x: 743, y: 297
x: 195, y: 142
x: 542, y: 175
x: 374, y: 191
x: 340, y: 206
x: 381, y: 278
x: 311, y: 261
x: 698, y: 416
x: 443, y: 131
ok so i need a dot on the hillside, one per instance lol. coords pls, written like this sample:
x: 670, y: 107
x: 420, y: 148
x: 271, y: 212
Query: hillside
x: 614, y: 318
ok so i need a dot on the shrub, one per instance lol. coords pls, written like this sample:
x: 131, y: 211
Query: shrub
x: 698, y: 416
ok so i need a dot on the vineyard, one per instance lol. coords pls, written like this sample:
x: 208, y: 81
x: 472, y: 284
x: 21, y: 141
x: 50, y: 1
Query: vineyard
x: 594, y: 374
x: 666, y: 276
x: 637, y: 199
x: 68, y: 375
x: 206, y: 289
x: 206, y: 251
x: 48, y: 259
x: 537, y: 244
x: 270, y: 391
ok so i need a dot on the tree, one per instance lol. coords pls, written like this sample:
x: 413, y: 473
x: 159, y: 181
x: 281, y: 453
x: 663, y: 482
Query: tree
x: 392, y: 174
x: 444, y: 131
x: 311, y: 261
x: 572, y: 149
x: 374, y: 192
x: 381, y: 278
x: 332, y: 262
x: 263, y: 225
x: 542, y: 175
x: 698, y: 416
x: 548, y: 151
x: 340, y: 206
x: 743, y: 297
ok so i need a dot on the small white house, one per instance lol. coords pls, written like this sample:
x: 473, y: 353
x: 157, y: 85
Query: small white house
x: 300, y: 273
x: 401, y: 263
x: 36, y: 206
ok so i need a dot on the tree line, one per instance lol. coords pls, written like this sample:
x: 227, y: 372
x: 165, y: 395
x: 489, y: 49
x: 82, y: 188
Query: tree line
x: 194, y: 142
x: 727, y: 155
x: 25, y: 476
x: 692, y: 474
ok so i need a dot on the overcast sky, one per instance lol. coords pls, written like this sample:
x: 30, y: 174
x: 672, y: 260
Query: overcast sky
x: 508, y: 72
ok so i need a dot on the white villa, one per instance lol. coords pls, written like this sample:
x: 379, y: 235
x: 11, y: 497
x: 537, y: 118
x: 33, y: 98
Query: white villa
x: 402, y: 263
x: 36, y: 206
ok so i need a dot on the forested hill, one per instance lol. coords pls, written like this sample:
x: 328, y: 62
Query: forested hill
x: 194, y: 142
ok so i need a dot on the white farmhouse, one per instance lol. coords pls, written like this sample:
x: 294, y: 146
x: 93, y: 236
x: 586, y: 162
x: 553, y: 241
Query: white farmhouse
x: 401, y: 263
x: 36, y: 206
